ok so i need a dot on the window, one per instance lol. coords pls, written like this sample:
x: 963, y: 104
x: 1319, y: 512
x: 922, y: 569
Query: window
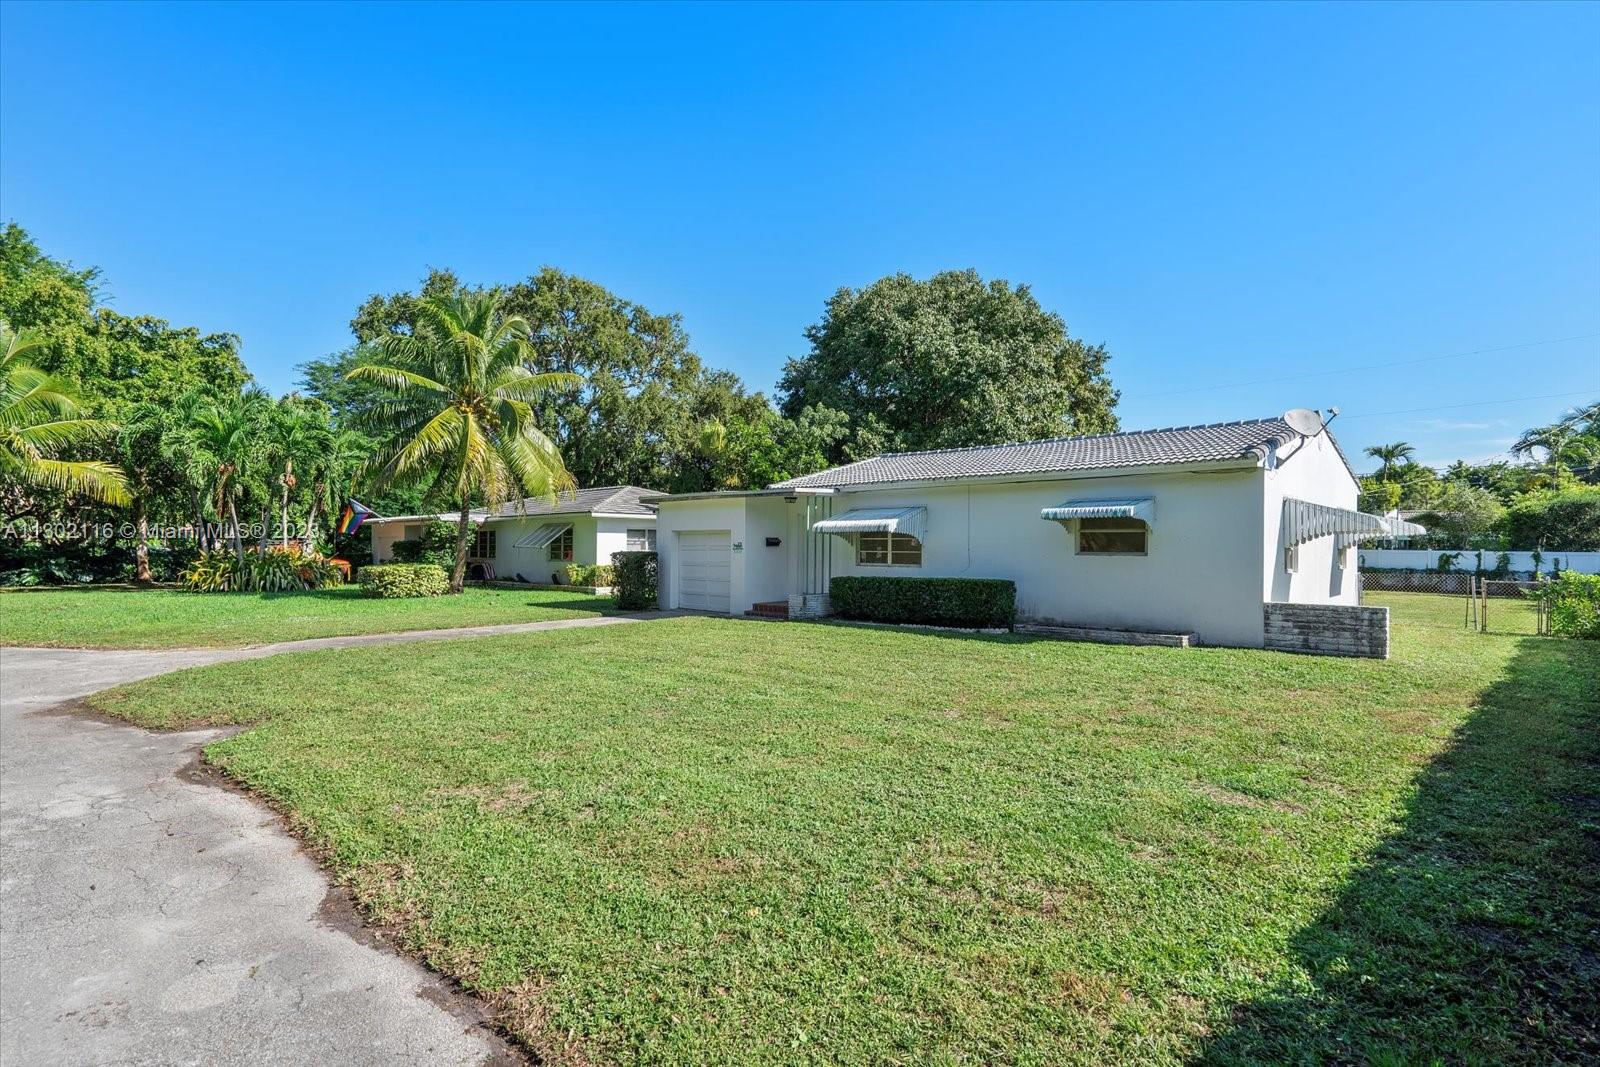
x: 888, y: 550
x: 561, y: 547
x: 483, y: 546
x: 1291, y: 559
x: 411, y: 533
x: 1112, y: 537
x: 641, y: 540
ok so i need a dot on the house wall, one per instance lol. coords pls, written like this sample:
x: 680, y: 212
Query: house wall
x: 1312, y: 472
x: 1202, y: 573
x: 611, y: 535
x: 535, y: 564
x: 384, y: 535
x: 677, y: 516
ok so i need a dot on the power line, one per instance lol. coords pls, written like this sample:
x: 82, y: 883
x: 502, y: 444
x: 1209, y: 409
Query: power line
x: 1364, y: 367
x: 1474, y: 404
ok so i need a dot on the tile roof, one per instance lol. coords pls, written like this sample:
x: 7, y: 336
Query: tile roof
x: 1181, y: 444
x: 604, y: 500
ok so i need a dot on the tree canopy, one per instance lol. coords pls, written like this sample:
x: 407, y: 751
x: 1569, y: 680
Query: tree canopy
x: 948, y: 361
x: 116, y: 360
x: 644, y: 393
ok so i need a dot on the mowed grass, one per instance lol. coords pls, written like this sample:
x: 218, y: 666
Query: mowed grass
x: 696, y: 840
x: 169, y: 618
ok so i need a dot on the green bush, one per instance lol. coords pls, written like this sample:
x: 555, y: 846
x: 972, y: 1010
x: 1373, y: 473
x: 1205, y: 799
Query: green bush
x: 635, y: 579
x: 591, y: 574
x: 976, y: 602
x: 437, y: 545
x: 1565, y: 521
x: 278, y: 570
x: 1573, y: 603
x: 211, y: 572
x: 393, y: 580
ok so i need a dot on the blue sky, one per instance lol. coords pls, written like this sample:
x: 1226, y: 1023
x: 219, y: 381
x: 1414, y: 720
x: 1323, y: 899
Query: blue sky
x: 1254, y: 207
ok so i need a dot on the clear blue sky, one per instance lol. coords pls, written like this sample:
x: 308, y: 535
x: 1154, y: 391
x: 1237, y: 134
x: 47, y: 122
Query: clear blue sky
x: 1220, y: 194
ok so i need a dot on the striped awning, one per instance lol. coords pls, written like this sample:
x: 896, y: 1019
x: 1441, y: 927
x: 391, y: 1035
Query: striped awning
x: 545, y: 534
x: 1304, y: 521
x: 1399, y: 527
x: 910, y: 521
x: 1142, y: 508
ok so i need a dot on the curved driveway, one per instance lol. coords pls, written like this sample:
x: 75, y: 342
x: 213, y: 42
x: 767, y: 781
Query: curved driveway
x: 149, y: 918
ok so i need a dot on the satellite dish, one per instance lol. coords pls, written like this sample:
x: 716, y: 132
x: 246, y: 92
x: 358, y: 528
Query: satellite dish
x: 1303, y: 421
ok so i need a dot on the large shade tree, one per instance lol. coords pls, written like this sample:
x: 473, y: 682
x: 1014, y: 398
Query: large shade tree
x: 40, y: 417
x: 948, y: 361
x: 462, y: 411
x: 645, y: 395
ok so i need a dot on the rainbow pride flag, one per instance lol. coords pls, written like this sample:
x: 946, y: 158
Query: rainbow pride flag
x: 350, y: 519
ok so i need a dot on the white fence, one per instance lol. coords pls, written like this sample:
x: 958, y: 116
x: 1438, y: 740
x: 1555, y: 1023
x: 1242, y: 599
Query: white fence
x: 1428, y: 559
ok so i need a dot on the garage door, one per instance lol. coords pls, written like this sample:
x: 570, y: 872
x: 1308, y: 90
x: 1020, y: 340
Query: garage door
x: 704, y: 566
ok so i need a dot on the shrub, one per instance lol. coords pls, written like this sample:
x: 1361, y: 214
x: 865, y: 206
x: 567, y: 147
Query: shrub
x: 1573, y: 603
x: 211, y: 572
x: 437, y: 545
x: 394, y: 580
x: 1565, y: 521
x: 598, y: 575
x: 975, y: 602
x: 635, y: 579
x: 279, y: 570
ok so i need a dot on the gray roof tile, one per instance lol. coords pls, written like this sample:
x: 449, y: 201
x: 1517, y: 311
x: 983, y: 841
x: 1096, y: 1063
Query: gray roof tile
x: 1181, y: 444
x: 604, y: 500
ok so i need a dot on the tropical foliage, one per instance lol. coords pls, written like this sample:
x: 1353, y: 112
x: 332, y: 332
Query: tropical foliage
x: 277, y: 570
x: 41, y: 416
x: 461, y: 415
x: 1573, y: 603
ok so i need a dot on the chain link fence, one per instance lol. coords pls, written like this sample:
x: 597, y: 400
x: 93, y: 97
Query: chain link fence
x: 1487, y: 605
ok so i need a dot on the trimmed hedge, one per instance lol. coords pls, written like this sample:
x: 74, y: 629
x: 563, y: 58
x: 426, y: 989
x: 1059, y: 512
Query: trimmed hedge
x: 635, y: 582
x: 393, y: 580
x: 982, y: 603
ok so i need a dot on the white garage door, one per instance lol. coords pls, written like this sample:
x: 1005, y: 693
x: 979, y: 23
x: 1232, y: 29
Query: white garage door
x: 704, y: 567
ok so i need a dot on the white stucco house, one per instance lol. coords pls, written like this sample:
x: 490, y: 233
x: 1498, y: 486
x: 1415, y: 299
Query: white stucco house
x: 532, y: 539
x: 1199, y: 530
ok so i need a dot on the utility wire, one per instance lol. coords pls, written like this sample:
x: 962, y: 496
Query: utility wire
x: 1474, y: 404
x: 1363, y: 367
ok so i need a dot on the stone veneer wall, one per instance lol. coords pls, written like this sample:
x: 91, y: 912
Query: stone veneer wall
x: 810, y: 605
x: 1328, y: 629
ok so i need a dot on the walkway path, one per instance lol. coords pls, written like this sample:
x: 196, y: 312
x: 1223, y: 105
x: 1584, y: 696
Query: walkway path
x: 149, y: 918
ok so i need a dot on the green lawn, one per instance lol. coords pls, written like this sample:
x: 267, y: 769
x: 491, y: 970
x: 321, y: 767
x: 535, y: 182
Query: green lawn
x: 168, y: 618
x: 697, y: 840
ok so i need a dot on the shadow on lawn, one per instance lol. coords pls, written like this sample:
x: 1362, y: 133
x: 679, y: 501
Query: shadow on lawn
x: 1471, y: 935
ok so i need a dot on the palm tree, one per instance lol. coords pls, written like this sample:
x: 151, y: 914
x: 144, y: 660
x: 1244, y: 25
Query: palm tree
x: 461, y: 409
x: 39, y: 416
x: 295, y: 433
x: 1389, y: 455
x: 220, y: 444
x: 1555, y: 440
x: 332, y: 470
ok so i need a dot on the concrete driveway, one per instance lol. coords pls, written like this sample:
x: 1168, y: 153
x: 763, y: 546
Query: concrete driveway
x: 148, y: 917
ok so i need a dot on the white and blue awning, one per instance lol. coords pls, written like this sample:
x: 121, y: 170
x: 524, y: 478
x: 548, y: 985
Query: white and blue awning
x: 1142, y: 508
x: 545, y: 534
x: 1304, y: 521
x: 910, y: 521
